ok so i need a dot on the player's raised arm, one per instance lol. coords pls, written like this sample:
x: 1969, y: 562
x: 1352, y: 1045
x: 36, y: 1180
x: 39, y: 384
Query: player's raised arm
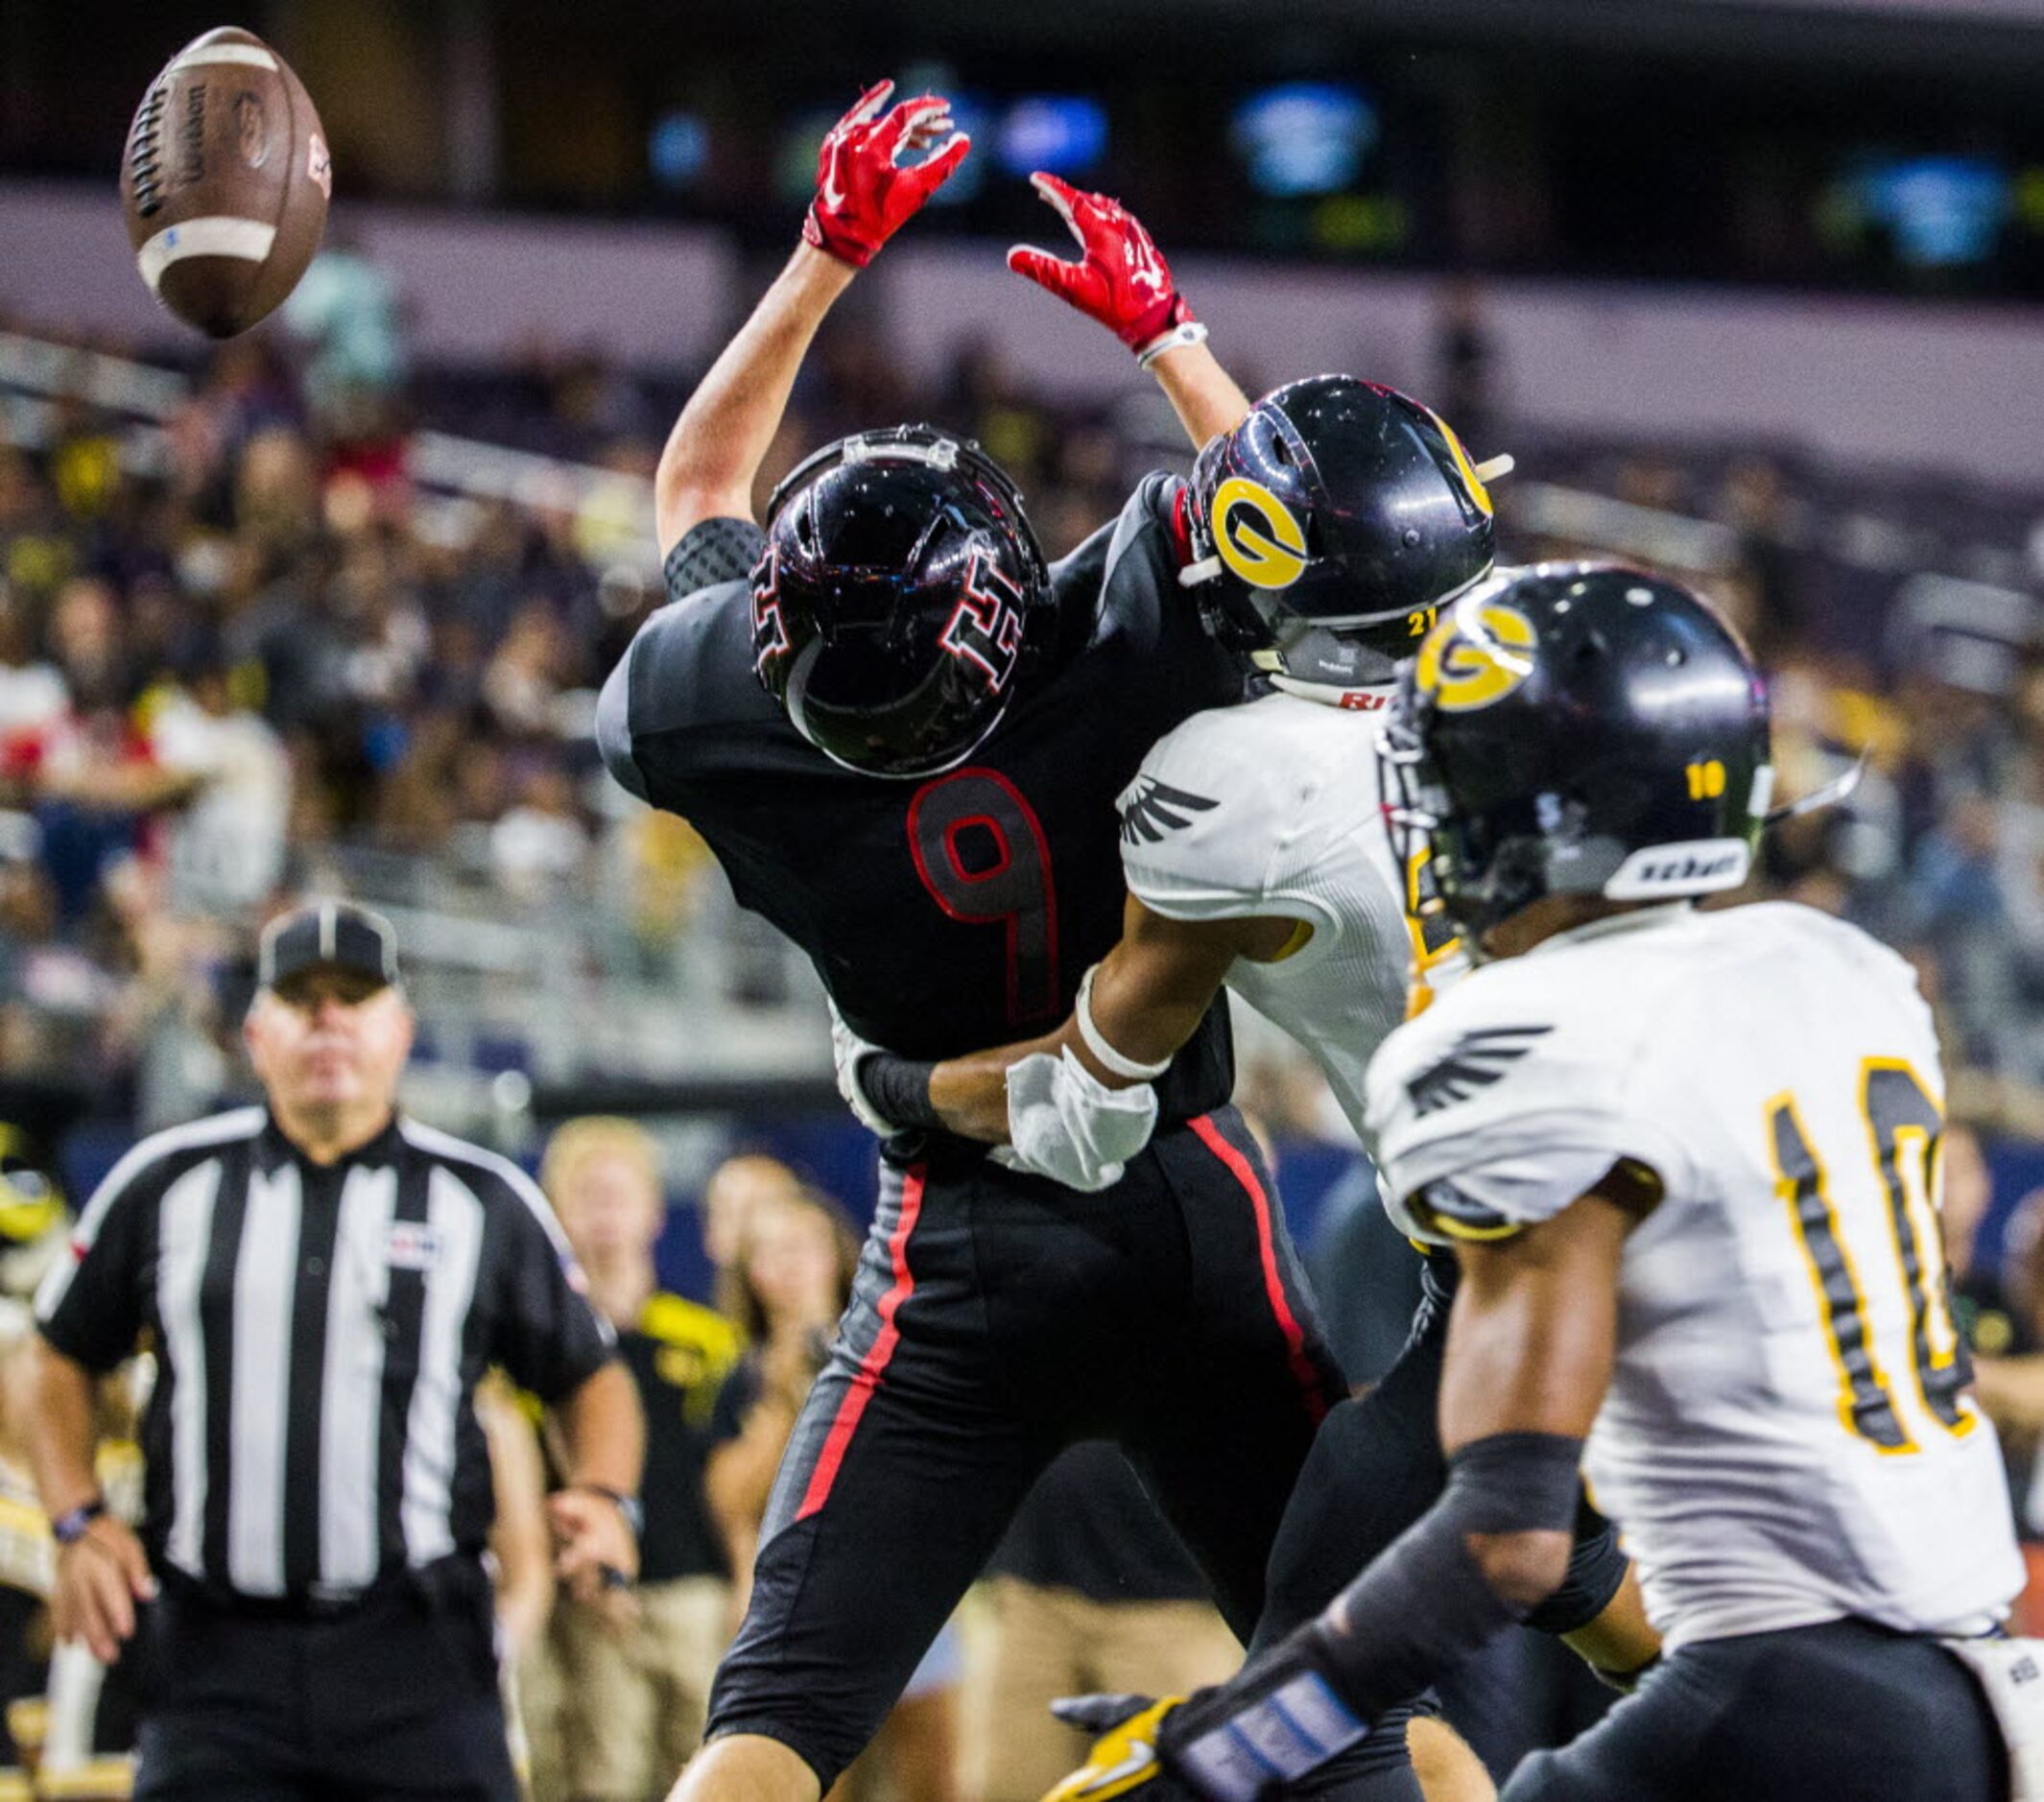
x: 1122, y: 280
x: 866, y: 190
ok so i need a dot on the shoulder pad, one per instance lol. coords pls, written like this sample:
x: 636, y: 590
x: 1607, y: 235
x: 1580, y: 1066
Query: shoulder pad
x: 1504, y: 1101
x: 1142, y: 530
x: 1202, y: 822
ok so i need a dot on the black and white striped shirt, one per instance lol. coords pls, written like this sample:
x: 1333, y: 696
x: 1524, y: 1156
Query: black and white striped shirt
x: 318, y: 1331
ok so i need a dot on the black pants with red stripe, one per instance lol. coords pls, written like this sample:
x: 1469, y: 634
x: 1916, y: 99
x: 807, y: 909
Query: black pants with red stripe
x: 998, y: 1317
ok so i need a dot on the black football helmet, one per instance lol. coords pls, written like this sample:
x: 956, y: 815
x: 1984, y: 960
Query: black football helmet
x: 1329, y: 524
x: 899, y: 600
x: 1576, y: 728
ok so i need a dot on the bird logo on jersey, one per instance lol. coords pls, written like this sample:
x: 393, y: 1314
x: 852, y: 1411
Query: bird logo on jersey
x: 1476, y: 656
x: 1151, y: 808
x: 1474, y: 1061
x: 1256, y: 535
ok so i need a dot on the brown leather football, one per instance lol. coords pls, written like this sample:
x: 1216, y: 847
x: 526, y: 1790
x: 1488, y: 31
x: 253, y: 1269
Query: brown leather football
x: 224, y: 183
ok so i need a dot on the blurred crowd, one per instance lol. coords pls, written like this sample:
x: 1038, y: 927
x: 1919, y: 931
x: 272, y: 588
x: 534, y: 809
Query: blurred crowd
x: 269, y: 641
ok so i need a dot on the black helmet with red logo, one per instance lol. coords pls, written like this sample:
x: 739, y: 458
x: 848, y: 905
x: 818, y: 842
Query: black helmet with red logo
x: 900, y: 597
x: 1330, y: 524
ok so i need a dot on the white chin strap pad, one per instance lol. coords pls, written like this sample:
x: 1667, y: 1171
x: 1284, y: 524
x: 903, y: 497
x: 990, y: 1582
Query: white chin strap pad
x: 1065, y: 1124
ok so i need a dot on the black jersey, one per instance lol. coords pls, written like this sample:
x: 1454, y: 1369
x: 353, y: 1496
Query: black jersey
x: 959, y: 912
x: 679, y: 1354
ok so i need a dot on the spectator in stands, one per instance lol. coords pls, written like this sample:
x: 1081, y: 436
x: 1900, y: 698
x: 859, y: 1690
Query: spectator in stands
x: 540, y: 841
x: 227, y: 848
x: 636, y: 1692
x: 729, y: 1197
x: 33, y: 698
x: 1998, y: 1305
x: 347, y: 309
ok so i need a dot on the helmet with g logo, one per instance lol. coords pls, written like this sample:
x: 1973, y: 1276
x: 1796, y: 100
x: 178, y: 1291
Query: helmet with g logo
x: 1576, y: 728
x: 1329, y: 525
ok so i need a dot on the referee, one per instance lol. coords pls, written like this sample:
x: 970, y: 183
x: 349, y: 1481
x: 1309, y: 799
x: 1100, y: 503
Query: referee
x: 324, y: 1283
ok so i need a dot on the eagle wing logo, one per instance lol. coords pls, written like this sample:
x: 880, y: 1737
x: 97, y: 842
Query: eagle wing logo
x: 1154, y: 808
x: 1474, y: 1061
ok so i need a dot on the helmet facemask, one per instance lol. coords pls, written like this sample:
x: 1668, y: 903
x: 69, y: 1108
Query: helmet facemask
x: 1476, y: 874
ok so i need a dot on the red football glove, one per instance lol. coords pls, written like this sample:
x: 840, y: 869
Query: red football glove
x: 1122, y: 280
x: 864, y: 193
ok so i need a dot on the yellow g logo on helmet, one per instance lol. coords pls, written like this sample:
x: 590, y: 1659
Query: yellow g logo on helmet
x: 1476, y: 656
x: 1256, y: 534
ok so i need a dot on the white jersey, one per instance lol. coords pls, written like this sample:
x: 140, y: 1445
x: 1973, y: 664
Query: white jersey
x: 1272, y: 810
x: 1785, y: 1440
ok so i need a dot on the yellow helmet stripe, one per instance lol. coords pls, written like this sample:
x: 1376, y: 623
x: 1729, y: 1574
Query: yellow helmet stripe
x: 1473, y: 482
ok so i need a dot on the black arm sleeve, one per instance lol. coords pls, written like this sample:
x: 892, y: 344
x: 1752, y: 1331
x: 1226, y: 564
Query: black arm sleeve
x: 90, y: 1307
x: 713, y: 551
x: 1597, y: 1565
x: 549, y: 1338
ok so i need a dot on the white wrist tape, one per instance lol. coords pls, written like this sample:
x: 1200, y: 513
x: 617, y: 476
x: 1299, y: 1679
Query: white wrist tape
x: 1104, y: 1054
x: 1065, y: 1123
x: 1179, y: 338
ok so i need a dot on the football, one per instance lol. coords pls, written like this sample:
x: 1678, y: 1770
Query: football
x: 224, y: 183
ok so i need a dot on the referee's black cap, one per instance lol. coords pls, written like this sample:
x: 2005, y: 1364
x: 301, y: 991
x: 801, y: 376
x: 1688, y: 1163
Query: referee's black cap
x: 328, y: 934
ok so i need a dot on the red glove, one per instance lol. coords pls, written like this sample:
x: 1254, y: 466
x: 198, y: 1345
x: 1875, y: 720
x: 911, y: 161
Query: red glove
x: 1122, y: 280
x: 864, y: 193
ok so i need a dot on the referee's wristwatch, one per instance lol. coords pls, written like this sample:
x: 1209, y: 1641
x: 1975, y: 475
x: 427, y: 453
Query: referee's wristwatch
x: 72, y: 1524
x: 627, y: 1506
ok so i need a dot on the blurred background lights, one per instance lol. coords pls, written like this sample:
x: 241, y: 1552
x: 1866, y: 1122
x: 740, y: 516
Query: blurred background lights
x: 1304, y: 137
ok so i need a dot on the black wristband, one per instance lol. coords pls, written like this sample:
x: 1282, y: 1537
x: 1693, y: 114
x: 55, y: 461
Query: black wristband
x: 69, y: 1527
x: 899, y: 1090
